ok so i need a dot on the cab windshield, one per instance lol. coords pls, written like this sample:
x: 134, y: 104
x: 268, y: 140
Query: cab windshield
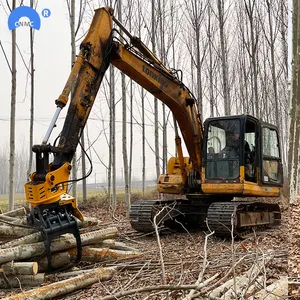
x: 223, y: 149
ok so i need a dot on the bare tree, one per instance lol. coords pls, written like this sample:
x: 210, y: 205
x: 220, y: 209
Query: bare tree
x: 293, y: 157
x: 11, y: 201
x: 74, y: 30
x: 226, y: 89
x: 156, y: 135
x: 31, y: 98
x: 71, y: 7
x: 196, y: 16
x: 124, y: 127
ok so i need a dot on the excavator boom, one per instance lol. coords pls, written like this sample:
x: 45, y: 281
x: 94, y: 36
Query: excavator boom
x: 200, y: 176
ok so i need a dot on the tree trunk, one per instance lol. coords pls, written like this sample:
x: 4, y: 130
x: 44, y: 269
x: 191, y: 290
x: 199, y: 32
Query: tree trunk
x: 84, y: 192
x: 100, y: 254
x: 131, y: 112
x: 210, y: 69
x: 63, y: 243
x: 73, y: 58
x: 22, y: 280
x: 161, y: 18
x: 143, y: 144
x: 11, y: 200
x: 31, y: 99
x: 11, y: 231
x: 253, y: 54
x: 20, y: 268
x: 113, y: 201
x: 293, y: 155
x: 271, y: 43
x: 66, y: 286
x: 226, y: 93
x: 124, y: 128
x: 58, y: 260
x: 156, y: 134
x: 19, y: 212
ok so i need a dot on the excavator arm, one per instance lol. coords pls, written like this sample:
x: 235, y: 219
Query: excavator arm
x: 52, y: 208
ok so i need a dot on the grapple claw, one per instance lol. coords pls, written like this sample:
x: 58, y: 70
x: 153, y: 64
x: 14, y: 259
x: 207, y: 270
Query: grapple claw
x: 54, y: 220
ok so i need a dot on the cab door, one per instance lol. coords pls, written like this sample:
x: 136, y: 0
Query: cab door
x: 271, y: 171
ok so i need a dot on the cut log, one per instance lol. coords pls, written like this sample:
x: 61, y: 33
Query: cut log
x: 226, y: 290
x: 20, y: 268
x: 72, y: 273
x: 100, y: 254
x: 19, y: 281
x: 88, y: 222
x: 58, y: 260
x: 275, y: 291
x: 37, y: 236
x: 113, y: 244
x: 21, y: 221
x: 19, y: 212
x: 11, y: 231
x: 63, y: 243
x: 27, y: 239
x: 256, y: 286
x: 66, y: 286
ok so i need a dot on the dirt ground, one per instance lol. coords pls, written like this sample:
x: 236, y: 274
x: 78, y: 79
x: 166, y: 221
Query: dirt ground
x: 294, y: 250
x: 183, y: 255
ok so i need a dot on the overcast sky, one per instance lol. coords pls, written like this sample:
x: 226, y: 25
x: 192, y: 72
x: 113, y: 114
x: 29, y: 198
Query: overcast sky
x: 52, y: 66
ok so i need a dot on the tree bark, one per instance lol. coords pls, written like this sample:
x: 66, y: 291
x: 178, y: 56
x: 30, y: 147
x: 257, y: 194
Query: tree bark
x: 27, y: 239
x: 226, y: 89
x: 112, y: 167
x: 31, y: 99
x: 73, y: 58
x: 66, y: 286
x: 20, y: 268
x: 19, y: 212
x: 124, y: 128
x: 11, y: 231
x: 274, y: 291
x: 20, y: 281
x: 293, y: 153
x: 37, y: 236
x: 156, y: 134
x: 58, y: 260
x: 99, y: 254
x: 66, y: 242
x: 11, y: 200
x: 113, y: 244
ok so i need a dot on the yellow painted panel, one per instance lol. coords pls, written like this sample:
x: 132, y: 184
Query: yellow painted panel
x: 253, y: 189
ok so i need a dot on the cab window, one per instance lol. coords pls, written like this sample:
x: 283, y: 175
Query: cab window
x: 223, y: 149
x: 271, y: 156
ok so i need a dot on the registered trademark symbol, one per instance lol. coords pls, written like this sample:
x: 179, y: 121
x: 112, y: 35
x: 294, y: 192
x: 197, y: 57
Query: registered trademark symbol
x: 46, y: 12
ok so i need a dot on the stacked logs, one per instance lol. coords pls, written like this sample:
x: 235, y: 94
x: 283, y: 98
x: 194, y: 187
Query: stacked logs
x: 23, y: 262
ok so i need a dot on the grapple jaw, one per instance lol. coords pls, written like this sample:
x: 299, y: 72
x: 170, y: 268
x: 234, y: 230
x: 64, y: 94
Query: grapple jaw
x: 54, y: 220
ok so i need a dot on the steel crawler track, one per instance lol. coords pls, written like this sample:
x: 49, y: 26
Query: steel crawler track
x: 239, y: 218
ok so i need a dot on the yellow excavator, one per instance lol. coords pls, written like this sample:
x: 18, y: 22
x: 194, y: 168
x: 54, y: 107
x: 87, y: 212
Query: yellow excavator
x: 230, y: 156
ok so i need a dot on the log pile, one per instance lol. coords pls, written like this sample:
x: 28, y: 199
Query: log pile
x: 23, y: 262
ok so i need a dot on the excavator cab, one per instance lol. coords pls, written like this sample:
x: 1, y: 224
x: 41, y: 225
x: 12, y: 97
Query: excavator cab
x: 242, y: 155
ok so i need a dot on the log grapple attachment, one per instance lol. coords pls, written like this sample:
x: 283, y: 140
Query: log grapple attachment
x: 54, y: 220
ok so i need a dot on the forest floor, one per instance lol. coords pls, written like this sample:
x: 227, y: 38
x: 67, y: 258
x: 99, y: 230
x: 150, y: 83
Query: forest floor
x: 294, y: 249
x: 183, y: 255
